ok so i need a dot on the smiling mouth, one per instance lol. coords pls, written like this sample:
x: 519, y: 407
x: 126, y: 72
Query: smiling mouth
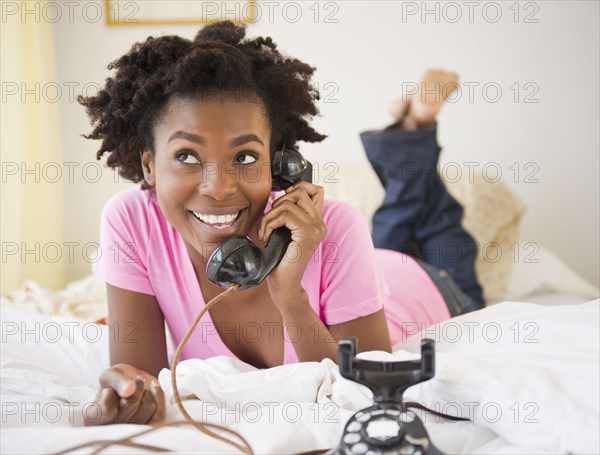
x: 217, y: 221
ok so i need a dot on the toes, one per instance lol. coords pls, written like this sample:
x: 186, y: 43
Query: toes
x: 399, y: 107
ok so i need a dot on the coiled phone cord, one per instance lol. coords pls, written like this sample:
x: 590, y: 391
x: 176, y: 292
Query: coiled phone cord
x: 203, y: 427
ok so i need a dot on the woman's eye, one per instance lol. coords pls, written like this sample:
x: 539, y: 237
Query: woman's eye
x: 245, y: 158
x: 187, y: 158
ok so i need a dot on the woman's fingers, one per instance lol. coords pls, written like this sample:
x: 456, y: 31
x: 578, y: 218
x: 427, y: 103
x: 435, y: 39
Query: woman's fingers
x: 314, y: 191
x: 306, y: 196
x: 287, y: 213
x: 307, y: 231
x: 128, y: 395
x: 128, y: 407
x: 300, y: 198
x: 159, y: 398
x: 106, y: 410
x: 143, y: 411
x: 121, y: 378
x: 304, y: 192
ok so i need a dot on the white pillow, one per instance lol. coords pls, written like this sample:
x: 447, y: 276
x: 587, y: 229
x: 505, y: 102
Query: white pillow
x: 546, y: 273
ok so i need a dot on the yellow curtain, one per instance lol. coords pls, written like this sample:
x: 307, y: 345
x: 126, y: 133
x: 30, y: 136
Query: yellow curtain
x: 31, y: 210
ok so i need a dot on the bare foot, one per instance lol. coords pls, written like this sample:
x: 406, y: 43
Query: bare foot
x: 420, y: 109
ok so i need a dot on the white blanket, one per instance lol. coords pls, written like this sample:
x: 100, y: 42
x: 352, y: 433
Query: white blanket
x: 526, y: 375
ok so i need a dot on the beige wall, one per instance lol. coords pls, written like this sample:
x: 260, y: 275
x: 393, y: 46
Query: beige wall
x: 364, y: 58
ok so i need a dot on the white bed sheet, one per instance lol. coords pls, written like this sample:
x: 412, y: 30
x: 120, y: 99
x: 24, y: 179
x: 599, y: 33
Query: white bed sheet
x: 526, y: 375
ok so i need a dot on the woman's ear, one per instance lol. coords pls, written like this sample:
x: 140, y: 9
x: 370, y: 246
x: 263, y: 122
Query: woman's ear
x: 147, y: 159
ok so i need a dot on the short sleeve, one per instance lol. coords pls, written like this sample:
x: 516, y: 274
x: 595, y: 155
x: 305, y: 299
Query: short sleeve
x: 123, y: 240
x: 352, y: 284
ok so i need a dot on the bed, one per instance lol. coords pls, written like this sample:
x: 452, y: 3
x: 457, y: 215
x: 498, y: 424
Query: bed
x: 524, y: 370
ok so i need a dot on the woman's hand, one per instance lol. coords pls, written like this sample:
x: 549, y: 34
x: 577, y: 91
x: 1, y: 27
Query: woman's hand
x: 127, y: 395
x: 300, y: 211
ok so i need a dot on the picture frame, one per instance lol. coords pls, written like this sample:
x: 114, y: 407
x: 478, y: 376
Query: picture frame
x: 177, y: 12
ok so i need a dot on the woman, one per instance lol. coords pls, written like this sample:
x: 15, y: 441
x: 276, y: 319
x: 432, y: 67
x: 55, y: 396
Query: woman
x: 197, y: 122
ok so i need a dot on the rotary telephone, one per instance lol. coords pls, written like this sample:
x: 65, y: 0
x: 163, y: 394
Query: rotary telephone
x: 237, y: 259
x: 388, y: 426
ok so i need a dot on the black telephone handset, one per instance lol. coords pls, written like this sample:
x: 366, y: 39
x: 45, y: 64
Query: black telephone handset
x: 237, y: 259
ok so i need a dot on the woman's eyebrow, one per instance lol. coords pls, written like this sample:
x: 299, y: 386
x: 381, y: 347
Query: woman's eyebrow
x: 241, y: 140
x: 187, y: 136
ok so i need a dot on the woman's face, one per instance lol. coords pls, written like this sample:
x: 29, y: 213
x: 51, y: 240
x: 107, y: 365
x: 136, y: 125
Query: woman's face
x: 211, y: 169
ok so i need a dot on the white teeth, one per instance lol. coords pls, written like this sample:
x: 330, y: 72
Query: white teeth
x: 220, y: 221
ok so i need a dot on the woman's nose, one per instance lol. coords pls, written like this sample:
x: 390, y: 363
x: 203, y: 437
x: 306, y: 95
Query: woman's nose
x: 218, y: 182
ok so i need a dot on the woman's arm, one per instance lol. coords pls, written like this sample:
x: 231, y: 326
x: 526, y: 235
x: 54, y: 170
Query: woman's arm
x: 313, y: 341
x: 371, y: 331
x: 351, y: 276
x: 129, y: 391
x: 136, y: 330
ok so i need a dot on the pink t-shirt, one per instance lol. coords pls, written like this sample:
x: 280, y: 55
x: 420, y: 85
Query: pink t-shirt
x: 345, y: 279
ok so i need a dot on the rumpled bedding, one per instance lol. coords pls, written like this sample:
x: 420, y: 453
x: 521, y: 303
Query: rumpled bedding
x: 525, y: 375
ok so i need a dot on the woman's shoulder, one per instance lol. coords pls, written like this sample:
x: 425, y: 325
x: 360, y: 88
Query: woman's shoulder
x: 131, y: 196
x: 336, y: 211
x: 342, y: 218
x: 130, y: 201
x: 133, y: 209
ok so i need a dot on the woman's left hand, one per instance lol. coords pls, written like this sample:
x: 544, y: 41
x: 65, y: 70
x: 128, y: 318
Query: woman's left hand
x: 300, y: 211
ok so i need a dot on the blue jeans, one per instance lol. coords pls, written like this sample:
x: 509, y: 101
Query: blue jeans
x: 419, y: 218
